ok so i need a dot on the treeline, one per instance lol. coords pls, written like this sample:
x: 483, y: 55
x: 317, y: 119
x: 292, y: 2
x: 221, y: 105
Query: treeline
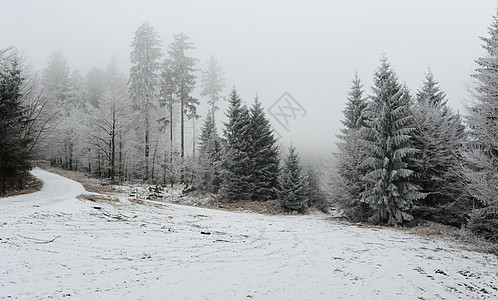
x: 142, y: 127
x: 405, y: 157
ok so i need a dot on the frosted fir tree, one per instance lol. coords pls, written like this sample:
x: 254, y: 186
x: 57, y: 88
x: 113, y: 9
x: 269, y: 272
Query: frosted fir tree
x: 439, y: 136
x: 212, y: 84
x: 208, y: 174
x: 143, y: 82
x: 482, y: 155
x: 265, y: 155
x: 348, y: 186
x: 236, y: 173
x: 55, y: 78
x: 180, y: 69
x: 389, y: 187
x: 14, y: 154
x: 293, y: 191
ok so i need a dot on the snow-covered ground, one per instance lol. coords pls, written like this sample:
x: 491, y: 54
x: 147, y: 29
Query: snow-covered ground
x: 54, y: 246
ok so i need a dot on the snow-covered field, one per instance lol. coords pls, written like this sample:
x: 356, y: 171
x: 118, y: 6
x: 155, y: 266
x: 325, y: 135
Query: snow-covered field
x: 54, y: 246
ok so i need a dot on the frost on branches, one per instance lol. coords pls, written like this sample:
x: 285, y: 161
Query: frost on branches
x: 389, y: 188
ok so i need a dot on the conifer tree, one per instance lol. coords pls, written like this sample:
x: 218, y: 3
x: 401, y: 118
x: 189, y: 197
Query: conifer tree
x: 293, y: 192
x: 143, y: 82
x: 439, y: 137
x: 180, y: 70
x: 265, y: 155
x: 208, y: 175
x: 236, y: 173
x: 482, y: 173
x: 212, y: 84
x: 348, y: 186
x: 389, y: 189
x: 14, y: 153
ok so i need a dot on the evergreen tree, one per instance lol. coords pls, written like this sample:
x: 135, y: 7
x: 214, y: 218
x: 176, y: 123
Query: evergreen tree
x: 482, y: 174
x: 389, y: 189
x: 143, y: 82
x: 180, y: 69
x: 236, y: 173
x: 265, y: 155
x: 293, y: 192
x: 439, y: 137
x: 14, y: 153
x: 316, y: 196
x: 348, y: 186
x: 208, y: 175
x: 212, y: 84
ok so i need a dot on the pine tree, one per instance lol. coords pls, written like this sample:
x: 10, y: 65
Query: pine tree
x: 439, y: 136
x: 208, y: 175
x: 14, y: 153
x: 181, y: 73
x: 212, y: 84
x: 265, y: 155
x: 389, y: 188
x: 348, y: 186
x: 293, y: 192
x: 236, y: 173
x: 143, y: 82
x: 482, y: 174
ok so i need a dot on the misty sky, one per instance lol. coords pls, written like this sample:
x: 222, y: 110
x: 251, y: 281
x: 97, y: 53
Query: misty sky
x: 310, y: 49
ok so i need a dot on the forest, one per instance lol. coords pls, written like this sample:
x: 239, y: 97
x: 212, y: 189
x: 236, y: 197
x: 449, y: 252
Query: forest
x: 402, y: 157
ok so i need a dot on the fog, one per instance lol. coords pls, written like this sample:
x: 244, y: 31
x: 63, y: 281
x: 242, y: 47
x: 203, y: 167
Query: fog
x: 309, y: 49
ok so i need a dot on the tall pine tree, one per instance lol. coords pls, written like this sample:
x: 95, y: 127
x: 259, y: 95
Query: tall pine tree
x: 208, y: 175
x: 14, y: 153
x: 143, y: 82
x: 264, y: 157
x: 348, y: 186
x: 482, y: 174
x: 389, y: 189
x: 439, y: 137
x: 236, y: 163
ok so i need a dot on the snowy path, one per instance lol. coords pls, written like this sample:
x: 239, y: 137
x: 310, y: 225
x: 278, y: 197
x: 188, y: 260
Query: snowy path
x: 132, y: 251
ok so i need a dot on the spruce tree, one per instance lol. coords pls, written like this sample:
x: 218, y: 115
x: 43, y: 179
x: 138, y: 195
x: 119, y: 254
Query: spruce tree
x: 389, y: 189
x: 143, y: 82
x: 264, y: 157
x: 348, y: 186
x: 236, y: 173
x: 439, y: 137
x: 14, y: 153
x: 212, y: 84
x: 482, y: 173
x: 208, y: 175
x: 293, y: 191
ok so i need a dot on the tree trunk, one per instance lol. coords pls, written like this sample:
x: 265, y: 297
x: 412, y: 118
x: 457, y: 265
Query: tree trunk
x: 182, y: 140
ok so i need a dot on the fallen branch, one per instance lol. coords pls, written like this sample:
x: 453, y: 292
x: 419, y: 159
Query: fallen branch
x: 38, y: 241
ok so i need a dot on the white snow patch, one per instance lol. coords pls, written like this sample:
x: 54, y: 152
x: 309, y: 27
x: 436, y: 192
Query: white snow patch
x: 132, y: 251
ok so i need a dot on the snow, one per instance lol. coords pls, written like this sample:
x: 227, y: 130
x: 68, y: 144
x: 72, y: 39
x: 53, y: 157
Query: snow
x: 157, y: 251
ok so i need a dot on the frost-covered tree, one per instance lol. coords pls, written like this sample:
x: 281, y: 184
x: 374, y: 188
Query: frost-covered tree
x: 439, y: 137
x: 293, y: 191
x: 181, y: 69
x: 96, y: 85
x: 236, y: 173
x: 208, y: 175
x: 482, y: 156
x: 348, y: 185
x: 389, y: 187
x: 56, y: 78
x: 143, y: 82
x: 212, y: 84
x: 14, y: 150
x: 265, y: 155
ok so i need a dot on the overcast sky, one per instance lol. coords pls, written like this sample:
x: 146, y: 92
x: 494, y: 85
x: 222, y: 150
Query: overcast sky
x: 309, y: 49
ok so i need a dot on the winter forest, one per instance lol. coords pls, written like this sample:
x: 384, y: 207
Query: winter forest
x: 172, y: 123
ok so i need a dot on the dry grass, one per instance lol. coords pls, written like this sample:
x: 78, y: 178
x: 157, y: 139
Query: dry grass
x: 98, y: 198
x: 270, y: 207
